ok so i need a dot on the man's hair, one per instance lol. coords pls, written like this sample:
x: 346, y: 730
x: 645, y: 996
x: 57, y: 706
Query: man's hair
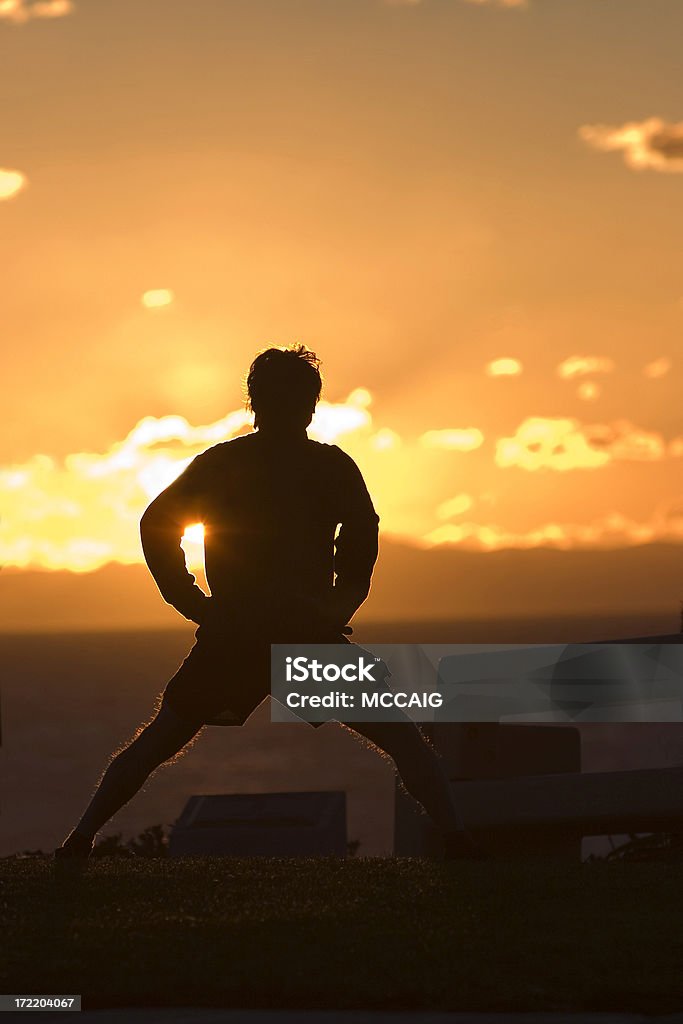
x: 284, y: 384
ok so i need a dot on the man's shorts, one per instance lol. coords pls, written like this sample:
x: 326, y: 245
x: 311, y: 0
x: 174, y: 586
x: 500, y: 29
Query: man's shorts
x: 225, y: 676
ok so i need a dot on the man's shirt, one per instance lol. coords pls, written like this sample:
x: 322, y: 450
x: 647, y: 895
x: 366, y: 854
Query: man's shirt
x: 289, y: 532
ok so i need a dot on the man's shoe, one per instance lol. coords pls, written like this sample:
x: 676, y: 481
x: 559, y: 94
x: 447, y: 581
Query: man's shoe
x: 75, y: 847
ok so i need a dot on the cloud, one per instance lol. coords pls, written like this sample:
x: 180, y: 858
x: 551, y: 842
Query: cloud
x: 459, y: 440
x: 588, y: 391
x: 504, y: 367
x: 20, y: 11
x: 82, y: 512
x: 657, y: 368
x: 157, y: 298
x: 653, y: 144
x: 549, y: 444
x: 611, y: 530
x: 11, y: 183
x: 385, y: 440
x: 566, y: 444
x: 581, y: 366
x: 453, y: 507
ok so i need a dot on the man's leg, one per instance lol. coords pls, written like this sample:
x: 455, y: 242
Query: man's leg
x: 159, y: 741
x: 419, y: 767
x: 423, y: 776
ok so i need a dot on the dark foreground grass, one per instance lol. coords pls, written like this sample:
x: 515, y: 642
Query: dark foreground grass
x: 358, y: 933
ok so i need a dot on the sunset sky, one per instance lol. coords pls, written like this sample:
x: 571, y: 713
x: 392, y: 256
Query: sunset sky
x: 471, y: 210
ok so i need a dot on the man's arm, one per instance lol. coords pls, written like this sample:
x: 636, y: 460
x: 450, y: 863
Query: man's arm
x: 357, y: 543
x: 161, y: 530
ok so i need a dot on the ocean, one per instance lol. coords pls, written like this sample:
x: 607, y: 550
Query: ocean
x: 69, y: 699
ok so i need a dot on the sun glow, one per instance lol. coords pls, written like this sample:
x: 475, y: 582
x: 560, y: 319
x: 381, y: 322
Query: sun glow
x: 194, y: 534
x: 192, y: 544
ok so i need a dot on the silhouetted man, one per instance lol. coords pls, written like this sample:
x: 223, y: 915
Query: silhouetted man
x: 271, y: 503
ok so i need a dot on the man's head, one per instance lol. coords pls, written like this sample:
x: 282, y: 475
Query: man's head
x: 283, y: 388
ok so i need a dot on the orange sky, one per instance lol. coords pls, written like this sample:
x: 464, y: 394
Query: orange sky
x: 470, y: 210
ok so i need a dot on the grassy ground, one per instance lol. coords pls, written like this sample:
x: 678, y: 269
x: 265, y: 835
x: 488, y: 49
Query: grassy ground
x: 356, y: 933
